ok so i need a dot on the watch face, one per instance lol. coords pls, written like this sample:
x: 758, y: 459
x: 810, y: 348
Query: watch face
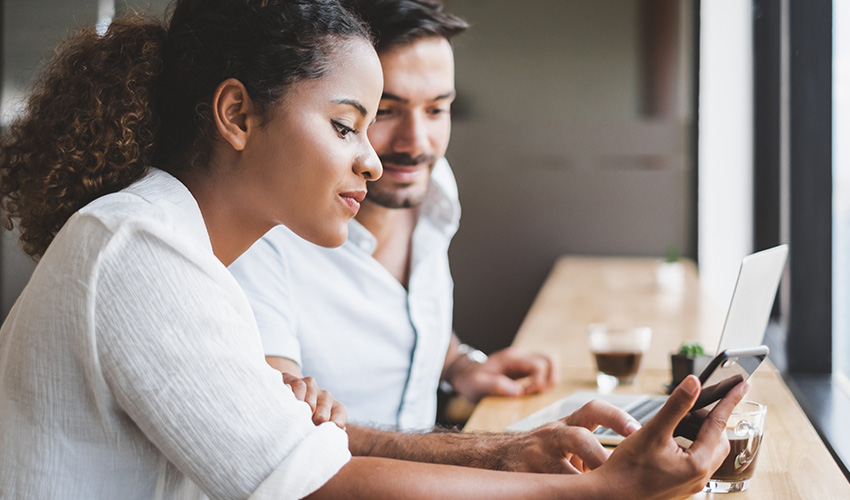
x: 477, y: 356
x: 471, y: 353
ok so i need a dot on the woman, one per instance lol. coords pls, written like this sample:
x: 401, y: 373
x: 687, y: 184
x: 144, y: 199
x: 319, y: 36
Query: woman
x: 125, y: 361
x: 130, y: 366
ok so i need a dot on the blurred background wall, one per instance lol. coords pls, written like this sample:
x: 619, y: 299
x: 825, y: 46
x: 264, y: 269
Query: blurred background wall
x: 573, y: 133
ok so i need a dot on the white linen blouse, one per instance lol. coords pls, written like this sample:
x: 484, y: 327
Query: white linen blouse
x: 131, y: 367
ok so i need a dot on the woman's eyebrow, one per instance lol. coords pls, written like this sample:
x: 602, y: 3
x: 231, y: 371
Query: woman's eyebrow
x: 354, y: 103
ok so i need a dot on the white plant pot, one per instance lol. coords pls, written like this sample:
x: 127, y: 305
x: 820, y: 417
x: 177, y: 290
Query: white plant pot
x: 670, y: 276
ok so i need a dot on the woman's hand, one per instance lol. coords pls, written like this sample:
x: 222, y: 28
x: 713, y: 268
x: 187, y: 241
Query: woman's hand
x: 650, y: 464
x: 325, y: 407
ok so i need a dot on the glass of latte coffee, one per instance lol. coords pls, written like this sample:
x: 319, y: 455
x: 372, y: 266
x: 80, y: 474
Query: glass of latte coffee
x: 618, y: 352
x: 745, y: 429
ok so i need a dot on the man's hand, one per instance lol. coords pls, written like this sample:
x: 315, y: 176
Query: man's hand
x: 509, y: 372
x: 651, y: 464
x: 325, y: 407
x: 568, y: 445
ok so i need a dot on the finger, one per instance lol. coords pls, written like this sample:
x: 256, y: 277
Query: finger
x: 690, y: 425
x: 573, y: 466
x: 715, y: 423
x: 339, y: 414
x: 501, y: 385
x: 579, y: 465
x: 677, y: 406
x: 322, y: 412
x: 514, y: 363
x: 598, y: 412
x: 554, y: 370
x: 539, y: 374
x: 299, y: 388
x: 584, y: 445
x: 312, y: 394
x: 532, y: 368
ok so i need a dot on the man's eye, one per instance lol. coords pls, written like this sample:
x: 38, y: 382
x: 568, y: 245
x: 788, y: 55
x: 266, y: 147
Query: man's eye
x: 383, y: 112
x: 438, y: 111
x: 342, y: 130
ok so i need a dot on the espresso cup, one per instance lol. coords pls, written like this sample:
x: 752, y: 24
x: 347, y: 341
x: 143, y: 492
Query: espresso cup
x: 745, y: 429
x: 618, y: 352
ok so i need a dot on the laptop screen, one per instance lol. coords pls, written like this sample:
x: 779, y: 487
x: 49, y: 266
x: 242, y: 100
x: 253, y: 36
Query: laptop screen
x: 752, y: 300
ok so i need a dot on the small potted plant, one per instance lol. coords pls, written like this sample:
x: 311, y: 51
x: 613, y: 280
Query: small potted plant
x: 670, y: 273
x: 691, y: 358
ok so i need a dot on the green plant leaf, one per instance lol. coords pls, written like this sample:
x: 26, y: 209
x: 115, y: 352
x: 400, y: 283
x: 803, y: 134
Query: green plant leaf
x: 691, y: 349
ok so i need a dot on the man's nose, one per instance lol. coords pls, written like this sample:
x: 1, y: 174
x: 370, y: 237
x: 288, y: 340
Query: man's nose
x: 411, y: 136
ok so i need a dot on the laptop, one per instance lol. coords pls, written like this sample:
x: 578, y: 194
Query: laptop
x: 746, y: 322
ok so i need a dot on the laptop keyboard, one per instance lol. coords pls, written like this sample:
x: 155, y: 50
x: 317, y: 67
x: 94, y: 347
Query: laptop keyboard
x: 642, y: 412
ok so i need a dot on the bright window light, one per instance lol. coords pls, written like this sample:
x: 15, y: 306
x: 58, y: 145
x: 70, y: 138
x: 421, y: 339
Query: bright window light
x: 841, y: 189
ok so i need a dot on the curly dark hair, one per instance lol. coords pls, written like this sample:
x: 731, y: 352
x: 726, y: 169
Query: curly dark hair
x: 88, y: 129
x: 108, y: 107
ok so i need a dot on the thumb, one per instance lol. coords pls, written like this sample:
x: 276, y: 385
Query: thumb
x: 674, y: 410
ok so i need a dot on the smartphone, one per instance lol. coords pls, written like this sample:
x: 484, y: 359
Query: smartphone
x: 725, y: 371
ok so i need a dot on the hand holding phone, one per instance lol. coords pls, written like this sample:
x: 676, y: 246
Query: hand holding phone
x: 726, y: 370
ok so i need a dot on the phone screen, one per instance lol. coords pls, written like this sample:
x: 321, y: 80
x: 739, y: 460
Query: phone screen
x: 726, y: 370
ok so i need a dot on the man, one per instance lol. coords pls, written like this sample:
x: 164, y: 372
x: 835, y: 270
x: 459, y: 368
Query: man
x: 371, y: 321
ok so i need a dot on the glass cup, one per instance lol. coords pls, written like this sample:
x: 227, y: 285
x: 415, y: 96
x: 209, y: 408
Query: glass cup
x: 618, y: 352
x: 745, y: 429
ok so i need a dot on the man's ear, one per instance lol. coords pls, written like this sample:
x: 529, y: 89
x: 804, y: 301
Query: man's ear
x: 232, y: 112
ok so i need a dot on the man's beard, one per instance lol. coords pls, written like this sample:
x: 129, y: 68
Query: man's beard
x: 395, y: 197
x: 392, y: 199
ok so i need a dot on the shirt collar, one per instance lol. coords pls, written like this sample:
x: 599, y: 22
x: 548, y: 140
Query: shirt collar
x: 159, y: 187
x: 440, y: 208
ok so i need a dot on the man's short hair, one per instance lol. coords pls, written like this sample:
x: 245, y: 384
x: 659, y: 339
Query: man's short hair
x: 395, y: 23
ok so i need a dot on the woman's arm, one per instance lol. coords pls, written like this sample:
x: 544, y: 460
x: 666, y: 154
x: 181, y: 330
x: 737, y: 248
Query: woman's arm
x: 648, y: 465
x: 371, y: 478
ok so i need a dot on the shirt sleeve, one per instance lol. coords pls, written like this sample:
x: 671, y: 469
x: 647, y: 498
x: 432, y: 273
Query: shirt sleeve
x: 182, y: 357
x: 263, y: 274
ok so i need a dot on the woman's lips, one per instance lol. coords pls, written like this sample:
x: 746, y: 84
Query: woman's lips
x: 352, y: 199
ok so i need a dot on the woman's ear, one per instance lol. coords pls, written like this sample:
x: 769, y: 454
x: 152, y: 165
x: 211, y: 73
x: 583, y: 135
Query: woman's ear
x: 232, y: 109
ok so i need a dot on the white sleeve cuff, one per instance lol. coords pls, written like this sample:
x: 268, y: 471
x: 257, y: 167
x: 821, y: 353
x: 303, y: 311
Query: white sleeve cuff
x: 311, y: 464
x: 282, y: 346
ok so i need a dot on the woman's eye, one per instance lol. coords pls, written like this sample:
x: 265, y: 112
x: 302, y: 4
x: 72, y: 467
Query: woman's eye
x: 342, y: 130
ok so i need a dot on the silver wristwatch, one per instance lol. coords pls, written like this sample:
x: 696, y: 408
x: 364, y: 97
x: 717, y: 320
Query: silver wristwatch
x: 470, y: 355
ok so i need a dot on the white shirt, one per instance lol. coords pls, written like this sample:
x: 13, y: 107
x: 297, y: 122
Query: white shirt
x: 347, y: 322
x: 131, y: 367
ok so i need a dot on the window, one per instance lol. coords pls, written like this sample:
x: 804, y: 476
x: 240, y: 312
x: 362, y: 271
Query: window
x: 841, y: 191
x: 802, y: 171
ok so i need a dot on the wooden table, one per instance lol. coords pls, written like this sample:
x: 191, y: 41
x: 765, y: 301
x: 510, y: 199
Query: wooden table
x: 793, y: 463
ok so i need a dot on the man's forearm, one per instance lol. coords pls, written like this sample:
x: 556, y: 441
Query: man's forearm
x: 483, y: 451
